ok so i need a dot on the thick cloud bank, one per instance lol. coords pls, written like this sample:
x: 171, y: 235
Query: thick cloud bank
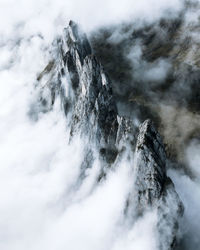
x: 42, y: 204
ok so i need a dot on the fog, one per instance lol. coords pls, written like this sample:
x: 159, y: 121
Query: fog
x: 42, y: 203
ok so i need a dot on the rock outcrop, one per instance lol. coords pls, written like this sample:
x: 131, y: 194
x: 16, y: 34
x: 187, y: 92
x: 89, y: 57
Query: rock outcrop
x: 79, y: 80
x: 152, y: 186
x: 94, y: 112
x: 150, y: 165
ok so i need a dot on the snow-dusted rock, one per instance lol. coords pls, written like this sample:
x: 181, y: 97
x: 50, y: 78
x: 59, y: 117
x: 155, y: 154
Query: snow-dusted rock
x: 152, y: 186
x: 86, y: 94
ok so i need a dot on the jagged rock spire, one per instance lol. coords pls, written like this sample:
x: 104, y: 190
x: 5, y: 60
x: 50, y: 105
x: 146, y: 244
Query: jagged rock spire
x: 77, y: 41
x: 94, y: 115
x: 150, y: 166
x: 152, y: 187
x: 94, y: 111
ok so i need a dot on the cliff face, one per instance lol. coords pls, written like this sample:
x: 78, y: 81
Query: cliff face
x: 153, y: 187
x: 93, y: 108
x: 94, y: 112
x: 151, y: 165
x: 79, y: 80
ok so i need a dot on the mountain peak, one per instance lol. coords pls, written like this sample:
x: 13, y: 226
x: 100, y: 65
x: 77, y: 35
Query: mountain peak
x: 92, y: 114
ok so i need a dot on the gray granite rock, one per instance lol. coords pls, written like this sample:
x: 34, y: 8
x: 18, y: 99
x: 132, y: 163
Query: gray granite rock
x: 79, y: 80
x: 152, y: 186
x: 94, y: 112
x: 150, y: 169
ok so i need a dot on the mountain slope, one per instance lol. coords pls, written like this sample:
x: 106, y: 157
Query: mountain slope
x: 79, y: 80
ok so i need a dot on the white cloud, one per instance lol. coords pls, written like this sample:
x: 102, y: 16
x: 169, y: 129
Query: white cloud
x: 189, y: 192
x: 39, y: 209
x: 193, y: 157
x: 49, y: 17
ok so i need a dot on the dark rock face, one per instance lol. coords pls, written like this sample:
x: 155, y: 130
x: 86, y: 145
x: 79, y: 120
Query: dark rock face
x: 150, y: 165
x: 153, y: 188
x: 94, y: 112
x: 128, y: 51
x: 79, y: 80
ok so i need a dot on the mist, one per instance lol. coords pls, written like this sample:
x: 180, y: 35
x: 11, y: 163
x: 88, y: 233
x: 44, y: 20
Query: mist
x: 43, y: 204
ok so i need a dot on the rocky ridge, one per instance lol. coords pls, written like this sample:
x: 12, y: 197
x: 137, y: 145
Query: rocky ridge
x: 79, y: 80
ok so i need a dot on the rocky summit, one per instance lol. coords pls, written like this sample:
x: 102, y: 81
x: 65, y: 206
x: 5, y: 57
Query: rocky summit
x: 76, y: 76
